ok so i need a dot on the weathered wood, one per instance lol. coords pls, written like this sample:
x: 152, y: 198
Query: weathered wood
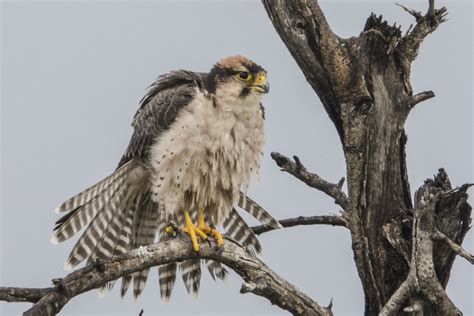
x: 364, y: 85
x: 422, y: 281
x: 297, y: 169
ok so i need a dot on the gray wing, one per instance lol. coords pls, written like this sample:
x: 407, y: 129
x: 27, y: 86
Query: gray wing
x: 158, y: 110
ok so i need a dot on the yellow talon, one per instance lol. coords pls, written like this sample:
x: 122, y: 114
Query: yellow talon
x: 200, y: 230
x: 169, y: 229
x: 206, y: 229
x: 190, y: 229
x: 218, y: 236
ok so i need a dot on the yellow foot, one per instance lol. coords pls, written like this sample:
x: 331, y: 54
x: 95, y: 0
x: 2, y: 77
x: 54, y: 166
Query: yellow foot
x: 206, y: 229
x: 193, y: 231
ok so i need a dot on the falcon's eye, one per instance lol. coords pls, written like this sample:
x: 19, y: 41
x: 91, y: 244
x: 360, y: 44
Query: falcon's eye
x: 244, y: 76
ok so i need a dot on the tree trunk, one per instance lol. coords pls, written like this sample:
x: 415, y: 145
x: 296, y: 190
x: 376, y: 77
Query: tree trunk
x: 363, y: 83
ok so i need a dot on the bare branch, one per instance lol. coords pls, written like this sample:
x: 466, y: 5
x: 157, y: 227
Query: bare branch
x: 397, y: 300
x: 422, y: 96
x: 333, y: 220
x: 438, y: 235
x: 259, y: 279
x: 431, y: 8
x: 16, y: 294
x: 297, y: 169
x: 416, y: 14
x: 425, y: 25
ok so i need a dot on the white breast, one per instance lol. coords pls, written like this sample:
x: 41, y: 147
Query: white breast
x: 208, y: 155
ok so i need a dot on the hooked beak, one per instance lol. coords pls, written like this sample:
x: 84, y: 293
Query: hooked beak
x: 261, y: 84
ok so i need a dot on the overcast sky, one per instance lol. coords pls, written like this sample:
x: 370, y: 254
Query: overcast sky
x: 74, y: 71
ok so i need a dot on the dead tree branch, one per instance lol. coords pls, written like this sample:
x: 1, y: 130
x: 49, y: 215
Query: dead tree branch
x: 18, y: 295
x: 417, y: 14
x: 409, y: 45
x: 437, y: 235
x: 422, y: 96
x: 297, y: 169
x: 258, y: 278
x: 333, y: 220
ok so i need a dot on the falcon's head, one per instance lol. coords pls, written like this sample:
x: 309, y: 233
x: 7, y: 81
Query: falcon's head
x: 237, y: 77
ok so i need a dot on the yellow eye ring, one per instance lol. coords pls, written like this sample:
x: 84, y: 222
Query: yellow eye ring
x: 244, y: 76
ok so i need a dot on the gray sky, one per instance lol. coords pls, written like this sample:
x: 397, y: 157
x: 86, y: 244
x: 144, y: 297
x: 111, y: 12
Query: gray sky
x: 74, y: 71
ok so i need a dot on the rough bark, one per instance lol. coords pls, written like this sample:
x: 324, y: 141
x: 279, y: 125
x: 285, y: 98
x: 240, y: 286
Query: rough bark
x: 364, y: 85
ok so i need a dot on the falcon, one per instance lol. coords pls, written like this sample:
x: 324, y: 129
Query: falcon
x: 197, y: 141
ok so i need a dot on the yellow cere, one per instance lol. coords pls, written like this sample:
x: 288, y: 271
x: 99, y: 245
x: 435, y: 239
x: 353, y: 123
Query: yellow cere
x: 260, y: 78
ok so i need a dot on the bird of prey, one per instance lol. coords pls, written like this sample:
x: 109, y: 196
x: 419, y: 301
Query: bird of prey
x: 197, y: 141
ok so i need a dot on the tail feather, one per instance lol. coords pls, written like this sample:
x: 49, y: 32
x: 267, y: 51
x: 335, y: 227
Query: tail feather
x: 126, y: 280
x: 86, y: 244
x: 257, y: 211
x: 139, y: 281
x: 125, y: 236
x: 191, y: 273
x: 72, y: 222
x: 106, y: 245
x: 116, y: 240
x: 167, y: 278
x: 238, y: 229
x: 167, y: 272
x: 145, y: 232
x: 87, y: 195
x: 216, y: 269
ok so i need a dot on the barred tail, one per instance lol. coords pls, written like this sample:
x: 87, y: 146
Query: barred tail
x: 115, y: 240
x: 167, y: 278
x: 257, y: 211
x: 94, y: 233
x: 144, y: 232
x: 238, y: 229
x: 87, y: 195
x: 93, y: 201
x: 124, y: 237
x: 216, y: 270
x: 107, y: 208
x: 191, y: 273
x: 167, y: 272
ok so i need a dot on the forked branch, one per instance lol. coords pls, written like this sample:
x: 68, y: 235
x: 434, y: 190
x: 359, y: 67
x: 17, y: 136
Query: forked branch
x: 297, y: 169
x: 426, y: 24
x: 422, y: 280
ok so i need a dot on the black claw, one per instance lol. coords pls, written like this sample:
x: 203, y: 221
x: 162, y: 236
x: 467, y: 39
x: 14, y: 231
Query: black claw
x: 219, y: 249
x: 99, y: 264
x: 175, y: 228
x: 208, y: 242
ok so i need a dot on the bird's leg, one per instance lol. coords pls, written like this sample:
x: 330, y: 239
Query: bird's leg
x: 208, y: 229
x: 193, y: 231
